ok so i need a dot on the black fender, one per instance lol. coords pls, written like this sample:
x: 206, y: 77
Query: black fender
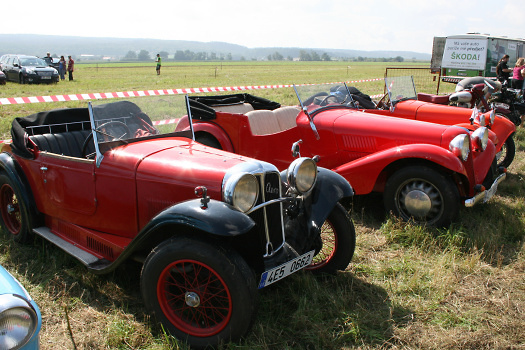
x: 329, y: 189
x: 218, y: 219
x: 13, y: 170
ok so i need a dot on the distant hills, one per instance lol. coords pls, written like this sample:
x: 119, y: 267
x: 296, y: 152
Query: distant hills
x: 117, y: 48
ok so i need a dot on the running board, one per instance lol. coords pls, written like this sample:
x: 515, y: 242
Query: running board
x: 86, y: 258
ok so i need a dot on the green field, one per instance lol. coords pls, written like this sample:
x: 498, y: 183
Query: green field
x: 406, y: 288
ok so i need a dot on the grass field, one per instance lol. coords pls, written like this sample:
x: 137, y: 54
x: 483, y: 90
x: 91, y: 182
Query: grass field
x: 406, y: 288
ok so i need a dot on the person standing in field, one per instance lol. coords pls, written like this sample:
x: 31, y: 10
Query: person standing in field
x: 503, y: 70
x: 518, y: 73
x: 62, y: 65
x: 159, y: 61
x: 70, y: 67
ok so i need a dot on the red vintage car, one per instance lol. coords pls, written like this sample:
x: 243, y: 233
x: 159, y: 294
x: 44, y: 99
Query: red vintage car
x: 114, y: 182
x: 425, y: 170
x: 402, y: 101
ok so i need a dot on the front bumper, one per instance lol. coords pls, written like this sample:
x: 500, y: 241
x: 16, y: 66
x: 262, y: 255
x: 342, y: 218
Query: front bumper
x: 37, y: 78
x: 484, y: 196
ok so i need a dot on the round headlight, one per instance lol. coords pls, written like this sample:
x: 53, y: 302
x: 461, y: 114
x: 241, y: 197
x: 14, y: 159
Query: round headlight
x: 241, y: 190
x: 18, y: 322
x: 480, y: 138
x: 301, y: 174
x: 492, y: 115
x: 460, y: 146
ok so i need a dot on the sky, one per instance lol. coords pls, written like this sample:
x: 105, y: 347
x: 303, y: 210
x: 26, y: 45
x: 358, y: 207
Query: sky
x: 370, y: 25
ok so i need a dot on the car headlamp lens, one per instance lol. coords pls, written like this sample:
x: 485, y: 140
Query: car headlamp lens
x: 480, y: 138
x: 18, y: 322
x: 460, y: 146
x: 241, y: 190
x: 301, y: 174
x: 492, y: 116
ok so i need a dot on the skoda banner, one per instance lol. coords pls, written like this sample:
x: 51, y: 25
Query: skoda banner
x: 465, y: 54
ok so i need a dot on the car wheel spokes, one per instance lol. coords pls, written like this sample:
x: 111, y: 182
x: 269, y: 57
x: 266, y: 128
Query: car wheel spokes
x: 10, y: 210
x: 194, y: 298
x: 329, y: 239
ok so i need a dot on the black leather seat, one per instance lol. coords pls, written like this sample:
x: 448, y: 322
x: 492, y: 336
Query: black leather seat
x: 66, y: 143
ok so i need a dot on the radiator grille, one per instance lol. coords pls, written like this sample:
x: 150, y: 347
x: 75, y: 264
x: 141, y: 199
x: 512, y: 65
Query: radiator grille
x: 269, y: 219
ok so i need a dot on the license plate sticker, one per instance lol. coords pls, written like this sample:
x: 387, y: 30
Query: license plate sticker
x: 286, y: 269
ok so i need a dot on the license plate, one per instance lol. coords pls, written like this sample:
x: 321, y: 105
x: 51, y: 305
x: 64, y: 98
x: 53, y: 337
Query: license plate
x: 45, y: 77
x: 286, y: 269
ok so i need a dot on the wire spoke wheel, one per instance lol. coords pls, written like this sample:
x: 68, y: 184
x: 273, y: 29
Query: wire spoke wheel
x: 10, y: 209
x: 338, y: 243
x: 201, y: 292
x: 194, y: 297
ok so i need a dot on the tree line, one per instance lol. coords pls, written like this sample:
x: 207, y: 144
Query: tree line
x: 304, y: 55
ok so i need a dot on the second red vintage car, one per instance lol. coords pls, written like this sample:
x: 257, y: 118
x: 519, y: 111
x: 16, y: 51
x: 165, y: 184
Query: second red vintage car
x: 424, y: 170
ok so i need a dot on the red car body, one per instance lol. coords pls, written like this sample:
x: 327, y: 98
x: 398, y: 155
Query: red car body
x: 107, y: 186
x: 366, y: 149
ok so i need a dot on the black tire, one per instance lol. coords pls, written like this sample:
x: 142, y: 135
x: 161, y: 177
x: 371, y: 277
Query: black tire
x: 201, y: 293
x: 505, y: 157
x: 21, y: 79
x: 208, y: 140
x: 15, y: 215
x: 422, y: 195
x: 338, y: 236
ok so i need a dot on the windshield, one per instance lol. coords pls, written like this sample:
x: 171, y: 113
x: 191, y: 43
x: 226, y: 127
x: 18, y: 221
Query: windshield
x: 314, y: 97
x: 33, y: 62
x: 400, y: 88
x: 125, y: 121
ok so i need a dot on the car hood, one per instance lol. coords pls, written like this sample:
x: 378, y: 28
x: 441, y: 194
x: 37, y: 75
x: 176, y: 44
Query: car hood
x: 360, y: 130
x: 181, y: 162
x: 431, y: 112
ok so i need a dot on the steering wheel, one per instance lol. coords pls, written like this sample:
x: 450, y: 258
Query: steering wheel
x: 104, y: 130
x: 382, y: 103
x: 326, y: 100
x: 311, y: 99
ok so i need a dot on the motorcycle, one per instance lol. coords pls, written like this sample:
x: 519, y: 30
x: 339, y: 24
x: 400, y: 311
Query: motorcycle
x: 511, y: 99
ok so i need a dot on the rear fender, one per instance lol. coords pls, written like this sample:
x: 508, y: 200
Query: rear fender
x: 15, y: 173
x: 216, y: 131
x: 364, y: 172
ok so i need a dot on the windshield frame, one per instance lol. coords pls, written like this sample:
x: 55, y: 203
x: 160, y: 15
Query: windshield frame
x: 107, y: 113
x: 406, y: 86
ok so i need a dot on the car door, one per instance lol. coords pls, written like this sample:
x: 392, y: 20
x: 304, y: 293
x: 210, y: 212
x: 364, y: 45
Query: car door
x: 69, y: 186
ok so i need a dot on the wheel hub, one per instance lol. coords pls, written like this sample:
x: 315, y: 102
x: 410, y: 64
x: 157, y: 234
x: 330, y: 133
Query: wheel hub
x: 10, y: 208
x: 418, y: 203
x: 192, y: 299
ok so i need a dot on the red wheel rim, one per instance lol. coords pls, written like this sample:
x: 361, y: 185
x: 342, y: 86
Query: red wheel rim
x: 329, y: 239
x: 194, y: 298
x: 10, y: 209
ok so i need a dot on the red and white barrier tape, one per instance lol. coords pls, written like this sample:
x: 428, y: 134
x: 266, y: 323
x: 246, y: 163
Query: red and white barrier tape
x: 126, y: 94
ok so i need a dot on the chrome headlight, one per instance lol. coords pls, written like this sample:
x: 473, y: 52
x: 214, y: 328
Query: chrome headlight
x: 18, y: 321
x: 460, y: 146
x: 480, y: 138
x: 301, y: 174
x: 241, y: 190
x: 492, y: 115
